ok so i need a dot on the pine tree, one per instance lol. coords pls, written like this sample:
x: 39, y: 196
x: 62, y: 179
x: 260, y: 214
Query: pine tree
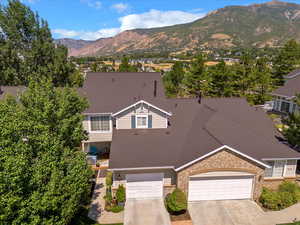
x: 27, y: 48
x: 173, y: 79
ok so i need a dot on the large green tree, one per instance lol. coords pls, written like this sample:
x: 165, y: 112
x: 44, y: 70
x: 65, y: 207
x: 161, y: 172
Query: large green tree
x: 27, y: 49
x: 125, y: 66
x: 43, y: 175
x: 173, y: 79
x: 197, y: 79
x: 286, y: 61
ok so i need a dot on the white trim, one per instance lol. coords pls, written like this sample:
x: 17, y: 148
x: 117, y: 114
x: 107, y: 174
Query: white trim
x: 141, y: 116
x: 142, y: 168
x: 284, y: 96
x: 266, y: 159
x: 100, y: 132
x: 217, y: 150
x: 141, y: 102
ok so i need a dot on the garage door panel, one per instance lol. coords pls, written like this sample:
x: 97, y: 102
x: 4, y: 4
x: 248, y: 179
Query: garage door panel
x: 220, y: 188
x: 144, y: 186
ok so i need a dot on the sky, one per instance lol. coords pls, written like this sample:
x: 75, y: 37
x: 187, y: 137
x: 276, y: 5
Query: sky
x: 94, y: 19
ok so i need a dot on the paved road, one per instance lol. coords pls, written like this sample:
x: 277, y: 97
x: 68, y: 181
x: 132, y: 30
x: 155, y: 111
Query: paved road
x: 146, y: 212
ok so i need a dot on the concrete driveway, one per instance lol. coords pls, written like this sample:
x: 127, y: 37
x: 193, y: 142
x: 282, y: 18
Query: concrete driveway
x: 231, y: 212
x: 146, y: 212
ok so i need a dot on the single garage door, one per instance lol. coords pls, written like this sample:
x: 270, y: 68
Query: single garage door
x: 144, y: 186
x: 221, y: 187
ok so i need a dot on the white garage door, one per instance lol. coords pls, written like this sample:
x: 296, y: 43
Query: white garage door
x: 144, y: 186
x: 220, y: 188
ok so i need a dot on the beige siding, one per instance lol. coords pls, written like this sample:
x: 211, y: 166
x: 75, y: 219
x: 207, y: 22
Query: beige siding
x: 169, y: 176
x: 96, y: 137
x: 159, y: 119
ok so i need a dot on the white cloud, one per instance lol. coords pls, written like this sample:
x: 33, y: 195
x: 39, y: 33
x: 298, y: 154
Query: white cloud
x: 120, y: 7
x: 157, y: 18
x: 29, y: 1
x: 91, y: 3
x: 86, y: 35
x: 153, y: 18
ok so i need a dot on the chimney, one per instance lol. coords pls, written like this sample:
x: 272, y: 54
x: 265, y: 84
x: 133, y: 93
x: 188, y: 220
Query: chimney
x: 155, y: 88
x: 199, y: 97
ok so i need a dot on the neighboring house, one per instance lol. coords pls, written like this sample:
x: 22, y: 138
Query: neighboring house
x: 284, y: 97
x: 10, y: 90
x: 213, y: 149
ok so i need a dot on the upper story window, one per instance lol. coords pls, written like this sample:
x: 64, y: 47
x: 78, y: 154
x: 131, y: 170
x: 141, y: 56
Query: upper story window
x: 100, y: 123
x: 142, y: 121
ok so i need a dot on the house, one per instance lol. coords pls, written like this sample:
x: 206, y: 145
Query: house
x: 211, y: 148
x: 283, y: 97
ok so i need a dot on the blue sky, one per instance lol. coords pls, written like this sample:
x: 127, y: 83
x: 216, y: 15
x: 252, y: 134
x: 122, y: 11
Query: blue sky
x: 93, y: 19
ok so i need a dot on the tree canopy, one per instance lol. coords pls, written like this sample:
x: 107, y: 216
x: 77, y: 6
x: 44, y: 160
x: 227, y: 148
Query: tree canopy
x: 27, y: 49
x: 43, y: 175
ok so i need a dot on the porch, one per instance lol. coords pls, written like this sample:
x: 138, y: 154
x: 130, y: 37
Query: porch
x: 97, y: 154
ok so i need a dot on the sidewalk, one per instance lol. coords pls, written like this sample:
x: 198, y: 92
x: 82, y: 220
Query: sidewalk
x: 97, y: 211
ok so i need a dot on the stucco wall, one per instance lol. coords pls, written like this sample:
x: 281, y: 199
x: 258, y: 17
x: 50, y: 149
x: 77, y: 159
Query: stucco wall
x: 224, y: 160
x: 159, y: 120
x: 96, y: 137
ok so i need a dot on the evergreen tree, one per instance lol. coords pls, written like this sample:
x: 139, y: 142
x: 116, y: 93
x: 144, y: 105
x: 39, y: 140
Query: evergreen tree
x: 197, y: 79
x: 173, y: 79
x: 292, y: 132
x: 27, y: 48
x: 286, y: 61
x: 44, y: 177
x: 125, y: 66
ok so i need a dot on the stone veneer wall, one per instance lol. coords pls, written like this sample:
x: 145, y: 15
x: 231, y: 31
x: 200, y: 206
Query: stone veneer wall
x: 273, y: 183
x: 224, y: 160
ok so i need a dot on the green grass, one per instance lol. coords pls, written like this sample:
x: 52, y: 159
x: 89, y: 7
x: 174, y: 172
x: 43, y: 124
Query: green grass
x: 82, y: 219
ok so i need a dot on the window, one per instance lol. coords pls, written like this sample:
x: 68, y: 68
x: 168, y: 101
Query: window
x: 285, y: 107
x: 281, y: 168
x: 100, y: 123
x: 142, y: 121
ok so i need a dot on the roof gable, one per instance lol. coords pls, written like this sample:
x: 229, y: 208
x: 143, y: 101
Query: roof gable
x: 142, y: 102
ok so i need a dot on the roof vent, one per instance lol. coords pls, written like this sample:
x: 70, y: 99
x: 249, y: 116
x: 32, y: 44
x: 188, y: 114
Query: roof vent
x: 199, y: 95
x: 168, y: 132
x: 1, y: 92
x: 176, y: 104
x: 112, y: 79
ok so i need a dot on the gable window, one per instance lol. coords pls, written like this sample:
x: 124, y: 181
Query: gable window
x: 141, y: 121
x: 100, y: 123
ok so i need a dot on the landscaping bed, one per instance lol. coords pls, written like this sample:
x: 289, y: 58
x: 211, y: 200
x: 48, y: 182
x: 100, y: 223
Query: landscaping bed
x: 287, y: 195
x: 176, y: 205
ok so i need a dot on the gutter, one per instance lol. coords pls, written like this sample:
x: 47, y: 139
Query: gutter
x: 142, y: 168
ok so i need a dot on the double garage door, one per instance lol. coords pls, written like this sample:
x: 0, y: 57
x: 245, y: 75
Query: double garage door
x: 220, y: 188
x: 144, y: 186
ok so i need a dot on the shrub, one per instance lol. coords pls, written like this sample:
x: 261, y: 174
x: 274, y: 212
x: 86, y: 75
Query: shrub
x: 120, y: 194
x: 109, y: 178
x: 292, y: 188
x: 176, y: 202
x: 270, y: 199
x: 287, y: 195
x: 117, y: 209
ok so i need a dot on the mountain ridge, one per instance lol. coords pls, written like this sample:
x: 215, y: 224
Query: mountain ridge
x: 257, y: 25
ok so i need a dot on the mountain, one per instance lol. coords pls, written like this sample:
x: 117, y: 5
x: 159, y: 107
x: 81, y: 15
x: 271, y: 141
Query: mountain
x: 258, y: 25
x: 72, y: 43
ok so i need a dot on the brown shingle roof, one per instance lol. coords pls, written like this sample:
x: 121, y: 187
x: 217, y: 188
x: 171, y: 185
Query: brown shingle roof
x: 291, y: 86
x: 10, y: 90
x: 196, y: 130
x: 111, y: 92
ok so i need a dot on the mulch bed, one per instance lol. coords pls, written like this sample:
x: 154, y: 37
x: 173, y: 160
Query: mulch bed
x: 182, y: 217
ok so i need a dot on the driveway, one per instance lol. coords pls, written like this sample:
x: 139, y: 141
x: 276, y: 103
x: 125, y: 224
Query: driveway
x: 146, y: 212
x: 231, y: 212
